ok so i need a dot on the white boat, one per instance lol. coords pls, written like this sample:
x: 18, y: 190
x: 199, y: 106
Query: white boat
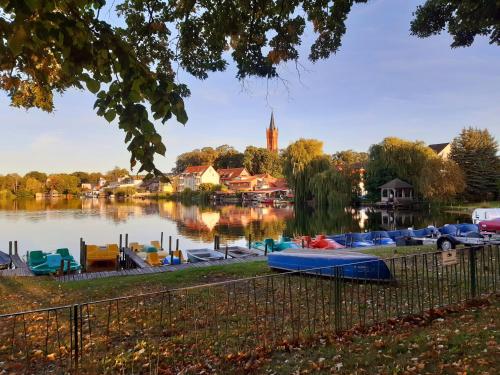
x: 202, y: 255
x: 482, y: 214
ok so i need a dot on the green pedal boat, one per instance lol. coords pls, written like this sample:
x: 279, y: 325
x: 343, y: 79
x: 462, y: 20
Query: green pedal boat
x: 41, y: 263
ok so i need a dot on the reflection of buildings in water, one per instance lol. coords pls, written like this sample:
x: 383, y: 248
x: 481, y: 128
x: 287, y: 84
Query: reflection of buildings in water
x: 361, y: 217
x: 206, y: 219
x: 392, y: 220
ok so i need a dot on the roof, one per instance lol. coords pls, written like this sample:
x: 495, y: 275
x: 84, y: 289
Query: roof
x: 230, y: 172
x: 438, y: 147
x: 196, y: 169
x: 271, y: 123
x: 395, y: 184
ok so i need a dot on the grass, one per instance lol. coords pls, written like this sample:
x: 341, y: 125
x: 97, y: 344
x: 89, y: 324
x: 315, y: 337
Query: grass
x: 463, y: 342
x: 32, y: 293
x: 469, y: 207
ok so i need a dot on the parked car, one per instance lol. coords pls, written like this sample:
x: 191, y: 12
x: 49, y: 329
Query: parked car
x: 490, y: 225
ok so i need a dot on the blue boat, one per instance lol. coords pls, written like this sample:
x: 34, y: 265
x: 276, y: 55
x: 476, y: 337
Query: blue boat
x: 323, y: 262
x: 381, y: 238
x: 353, y: 239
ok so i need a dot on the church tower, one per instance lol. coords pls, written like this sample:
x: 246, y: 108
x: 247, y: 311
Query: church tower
x: 272, y: 135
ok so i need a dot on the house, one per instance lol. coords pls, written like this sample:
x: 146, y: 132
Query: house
x: 156, y: 185
x: 86, y: 186
x: 193, y: 177
x: 441, y: 149
x: 228, y: 174
x: 243, y: 183
x: 396, y: 192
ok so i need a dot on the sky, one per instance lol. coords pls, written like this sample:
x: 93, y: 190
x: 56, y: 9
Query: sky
x: 383, y: 82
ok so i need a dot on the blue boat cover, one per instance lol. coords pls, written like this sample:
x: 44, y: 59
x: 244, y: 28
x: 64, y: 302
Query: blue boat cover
x: 323, y: 262
x: 449, y: 229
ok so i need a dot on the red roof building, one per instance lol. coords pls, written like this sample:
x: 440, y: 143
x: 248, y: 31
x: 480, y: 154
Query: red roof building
x: 228, y: 174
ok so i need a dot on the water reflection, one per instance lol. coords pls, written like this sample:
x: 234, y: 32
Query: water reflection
x: 48, y: 224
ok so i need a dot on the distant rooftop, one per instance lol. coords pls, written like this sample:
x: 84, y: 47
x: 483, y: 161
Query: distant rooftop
x: 196, y: 169
x: 438, y: 147
x: 395, y: 184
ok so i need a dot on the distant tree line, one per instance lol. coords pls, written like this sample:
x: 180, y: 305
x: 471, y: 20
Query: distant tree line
x: 14, y: 185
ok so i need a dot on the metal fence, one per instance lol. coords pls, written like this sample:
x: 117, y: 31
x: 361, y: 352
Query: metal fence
x: 175, y: 328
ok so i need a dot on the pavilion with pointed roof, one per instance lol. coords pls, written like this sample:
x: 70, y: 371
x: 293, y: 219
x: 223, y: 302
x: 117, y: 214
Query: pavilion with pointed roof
x: 396, y: 192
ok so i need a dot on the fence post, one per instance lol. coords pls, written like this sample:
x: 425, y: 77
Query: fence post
x: 337, y: 297
x: 472, y: 269
x: 75, y: 335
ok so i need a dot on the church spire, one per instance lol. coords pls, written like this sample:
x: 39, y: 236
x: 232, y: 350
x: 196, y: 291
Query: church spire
x: 271, y: 123
x: 272, y: 135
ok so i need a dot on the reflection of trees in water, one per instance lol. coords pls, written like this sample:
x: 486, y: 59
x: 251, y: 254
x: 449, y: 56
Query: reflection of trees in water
x: 40, y: 204
x: 308, y: 221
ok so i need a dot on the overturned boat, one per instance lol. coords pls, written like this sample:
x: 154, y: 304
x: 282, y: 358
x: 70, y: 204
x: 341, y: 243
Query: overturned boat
x: 341, y: 263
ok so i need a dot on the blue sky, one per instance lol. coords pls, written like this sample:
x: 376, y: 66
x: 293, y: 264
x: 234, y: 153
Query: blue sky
x: 383, y: 82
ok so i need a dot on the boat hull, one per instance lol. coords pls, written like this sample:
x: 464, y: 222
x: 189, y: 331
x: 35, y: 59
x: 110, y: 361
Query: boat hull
x: 203, y: 255
x: 351, y: 265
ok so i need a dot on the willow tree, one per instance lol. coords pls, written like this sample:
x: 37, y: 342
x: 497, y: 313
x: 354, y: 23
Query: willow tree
x: 414, y: 163
x: 296, y: 158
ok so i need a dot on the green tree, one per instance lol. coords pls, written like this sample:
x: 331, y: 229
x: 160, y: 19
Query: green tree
x: 298, y: 155
x: 50, y: 47
x: 475, y: 151
x: 40, y: 176
x: 116, y: 173
x: 413, y: 162
x: 83, y: 176
x: 33, y: 186
x: 64, y: 183
x: 350, y: 158
x: 204, y: 156
x: 258, y: 160
x: 228, y: 158
x: 464, y: 19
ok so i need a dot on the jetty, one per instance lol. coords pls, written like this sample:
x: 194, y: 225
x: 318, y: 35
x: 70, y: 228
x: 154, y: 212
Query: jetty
x: 17, y: 267
x: 152, y: 270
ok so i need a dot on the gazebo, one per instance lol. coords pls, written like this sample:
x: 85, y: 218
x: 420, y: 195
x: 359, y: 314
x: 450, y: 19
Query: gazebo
x: 397, y: 192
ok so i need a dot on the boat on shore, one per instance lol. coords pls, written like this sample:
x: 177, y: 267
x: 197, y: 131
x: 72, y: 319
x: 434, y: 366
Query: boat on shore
x: 348, y: 264
x: 4, y: 260
x: 203, y: 255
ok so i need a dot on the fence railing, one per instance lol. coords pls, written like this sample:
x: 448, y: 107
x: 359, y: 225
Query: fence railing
x: 173, y: 328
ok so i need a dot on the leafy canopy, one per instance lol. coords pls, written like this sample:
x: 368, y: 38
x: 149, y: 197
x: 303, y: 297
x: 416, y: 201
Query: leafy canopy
x: 464, y: 19
x: 47, y: 47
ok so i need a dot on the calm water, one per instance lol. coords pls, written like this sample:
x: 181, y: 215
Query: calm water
x: 51, y: 224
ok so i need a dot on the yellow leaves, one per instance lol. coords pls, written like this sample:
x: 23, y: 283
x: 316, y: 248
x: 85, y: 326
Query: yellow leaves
x: 51, y: 357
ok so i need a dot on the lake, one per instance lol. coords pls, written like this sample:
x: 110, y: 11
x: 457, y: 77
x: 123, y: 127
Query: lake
x: 51, y: 224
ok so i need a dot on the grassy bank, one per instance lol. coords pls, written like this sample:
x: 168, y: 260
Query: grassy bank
x: 469, y: 207
x: 30, y: 293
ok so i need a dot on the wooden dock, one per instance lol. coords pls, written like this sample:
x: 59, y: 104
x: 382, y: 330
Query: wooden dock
x: 151, y: 270
x: 20, y: 267
x: 136, y: 259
